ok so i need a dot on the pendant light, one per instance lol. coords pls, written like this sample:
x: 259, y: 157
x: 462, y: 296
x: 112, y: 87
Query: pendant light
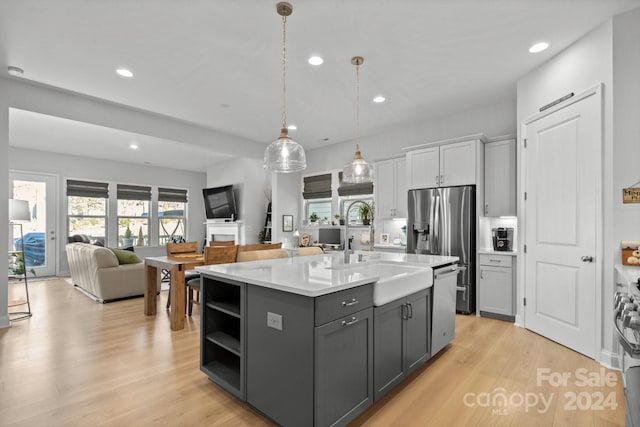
x: 284, y: 154
x: 358, y: 171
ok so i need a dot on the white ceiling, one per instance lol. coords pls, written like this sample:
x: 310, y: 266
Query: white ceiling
x: 217, y: 63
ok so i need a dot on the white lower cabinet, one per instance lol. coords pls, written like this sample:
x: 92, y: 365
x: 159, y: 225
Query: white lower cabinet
x: 497, y: 293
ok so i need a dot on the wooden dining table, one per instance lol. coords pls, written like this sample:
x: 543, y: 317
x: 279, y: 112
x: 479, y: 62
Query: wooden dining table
x: 177, y: 265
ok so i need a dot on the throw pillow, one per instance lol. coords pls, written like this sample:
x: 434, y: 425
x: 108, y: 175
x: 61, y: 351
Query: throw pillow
x: 126, y: 257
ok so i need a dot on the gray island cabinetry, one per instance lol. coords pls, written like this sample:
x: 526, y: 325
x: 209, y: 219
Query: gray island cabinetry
x: 401, y: 339
x: 299, y: 351
x: 314, y: 341
x: 222, y: 343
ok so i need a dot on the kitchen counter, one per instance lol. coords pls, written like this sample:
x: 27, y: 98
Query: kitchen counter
x: 494, y: 252
x: 300, y: 338
x: 316, y: 275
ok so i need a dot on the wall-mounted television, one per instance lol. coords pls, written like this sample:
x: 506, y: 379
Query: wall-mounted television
x: 220, y: 203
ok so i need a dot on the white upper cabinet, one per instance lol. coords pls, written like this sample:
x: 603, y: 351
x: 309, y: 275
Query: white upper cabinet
x: 391, y: 188
x: 423, y: 168
x: 443, y: 166
x: 500, y: 178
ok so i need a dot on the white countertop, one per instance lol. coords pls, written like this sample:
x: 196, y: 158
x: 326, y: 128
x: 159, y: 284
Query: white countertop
x: 315, y: 275
x: 628, y: 274
x: 389, y: 246
x: 494, y: 252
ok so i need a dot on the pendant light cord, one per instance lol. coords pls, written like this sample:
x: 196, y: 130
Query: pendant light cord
x: 284, y: 72
x: 357, y: 106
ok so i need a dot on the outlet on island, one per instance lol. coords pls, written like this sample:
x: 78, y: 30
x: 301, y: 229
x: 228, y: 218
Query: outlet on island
x: 274, y: 320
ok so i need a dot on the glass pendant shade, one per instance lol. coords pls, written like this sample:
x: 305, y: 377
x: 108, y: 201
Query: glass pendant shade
x: 284, y: 155
x: 358, y: 171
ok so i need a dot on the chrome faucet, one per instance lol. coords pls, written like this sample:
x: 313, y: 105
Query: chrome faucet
x: 347, y: 240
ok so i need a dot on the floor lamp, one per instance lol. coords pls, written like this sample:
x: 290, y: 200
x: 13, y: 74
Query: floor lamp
x: 19, y: 214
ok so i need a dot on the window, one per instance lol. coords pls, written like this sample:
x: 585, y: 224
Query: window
x: 317, y: 196
x: 133, y: 215
x: 87, y: 209
x: 172, y: 205
x: 321, y: 207
x: 354, y: 214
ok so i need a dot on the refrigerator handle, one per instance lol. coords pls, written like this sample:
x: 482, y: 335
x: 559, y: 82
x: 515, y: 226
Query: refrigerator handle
x: 435, y: 248
x: 462, y: 221
x: 432, y: 223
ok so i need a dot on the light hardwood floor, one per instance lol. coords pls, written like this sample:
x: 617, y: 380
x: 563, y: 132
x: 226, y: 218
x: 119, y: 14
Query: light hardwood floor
x: 79, y: 363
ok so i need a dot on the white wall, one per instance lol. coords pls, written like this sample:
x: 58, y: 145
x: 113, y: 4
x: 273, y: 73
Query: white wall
x: 5, y: 103
x: 609, y: 55
x: 287, y: 194
x: 492, y: 121
x: 626, y: 126
x: 249, y: 180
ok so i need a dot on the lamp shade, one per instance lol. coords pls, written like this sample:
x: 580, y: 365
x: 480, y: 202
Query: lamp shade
x: 284, y: 155
x: 19, y: 211
x: 358, y: 171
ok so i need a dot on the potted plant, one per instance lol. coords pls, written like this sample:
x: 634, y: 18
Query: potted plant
x: 140, y: 241
x: 340, y: 219
x: 16, y: 264
x: 365, y: 214
x: 313, y: 217
x: 127, y: 239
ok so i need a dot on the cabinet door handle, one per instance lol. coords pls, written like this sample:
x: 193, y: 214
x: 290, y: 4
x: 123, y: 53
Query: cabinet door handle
x: 410, y: 310
x: 441, y: 179
x: 482, y: 274
x: 495, y: 260
x: 350, y: 303
x: 437, y: 179
x: 404, y: 311
x: 353, y: 320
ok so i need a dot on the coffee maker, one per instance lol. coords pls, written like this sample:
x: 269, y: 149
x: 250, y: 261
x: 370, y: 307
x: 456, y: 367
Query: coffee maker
x: 502, y: 238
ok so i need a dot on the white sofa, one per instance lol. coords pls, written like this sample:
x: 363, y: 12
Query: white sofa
x: 96, y: 270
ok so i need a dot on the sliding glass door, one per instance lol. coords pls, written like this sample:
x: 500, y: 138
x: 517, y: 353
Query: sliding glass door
x: 40, y: 232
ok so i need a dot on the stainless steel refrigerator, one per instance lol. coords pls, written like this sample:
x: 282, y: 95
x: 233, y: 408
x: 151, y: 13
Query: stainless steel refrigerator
x: 442, y: 222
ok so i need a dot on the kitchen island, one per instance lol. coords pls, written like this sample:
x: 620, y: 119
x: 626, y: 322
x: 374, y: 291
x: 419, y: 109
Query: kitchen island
x: 314, y: 340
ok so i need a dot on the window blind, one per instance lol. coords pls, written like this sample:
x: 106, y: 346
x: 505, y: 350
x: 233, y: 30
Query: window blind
x: 317, y: 187
x: 87, y: 189
x: 172, y: 195
x: 349, y: 189
x: 133, y: 192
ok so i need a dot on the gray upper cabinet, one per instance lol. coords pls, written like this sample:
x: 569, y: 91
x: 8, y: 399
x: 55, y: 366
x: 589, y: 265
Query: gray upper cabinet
x: 391, y: 188
x: 401, y: 342
x: 500, y: 178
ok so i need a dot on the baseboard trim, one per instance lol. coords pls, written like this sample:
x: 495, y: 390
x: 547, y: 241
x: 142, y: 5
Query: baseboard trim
x: 609, y: 359
x: 5, y: 322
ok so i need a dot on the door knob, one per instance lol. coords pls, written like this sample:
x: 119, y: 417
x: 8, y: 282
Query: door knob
x: 587, y: 258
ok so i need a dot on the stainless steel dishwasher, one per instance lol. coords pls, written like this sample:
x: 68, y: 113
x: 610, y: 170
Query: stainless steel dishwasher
x: 443, y: 326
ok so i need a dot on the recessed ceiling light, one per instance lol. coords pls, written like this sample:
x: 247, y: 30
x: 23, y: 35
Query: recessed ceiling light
x: 124, y: 72
x: 133, y: 146
x: 292, y: 127
x: 538, y: 47
x: 379, y: 99
x: 315, y: 60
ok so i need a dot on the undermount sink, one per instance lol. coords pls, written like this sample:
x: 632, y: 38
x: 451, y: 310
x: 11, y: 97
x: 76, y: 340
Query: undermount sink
x: 396, y: 279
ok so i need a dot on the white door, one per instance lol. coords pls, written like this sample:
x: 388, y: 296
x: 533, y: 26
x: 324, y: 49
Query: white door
x: 562, y: 181
x: 40, y: 233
